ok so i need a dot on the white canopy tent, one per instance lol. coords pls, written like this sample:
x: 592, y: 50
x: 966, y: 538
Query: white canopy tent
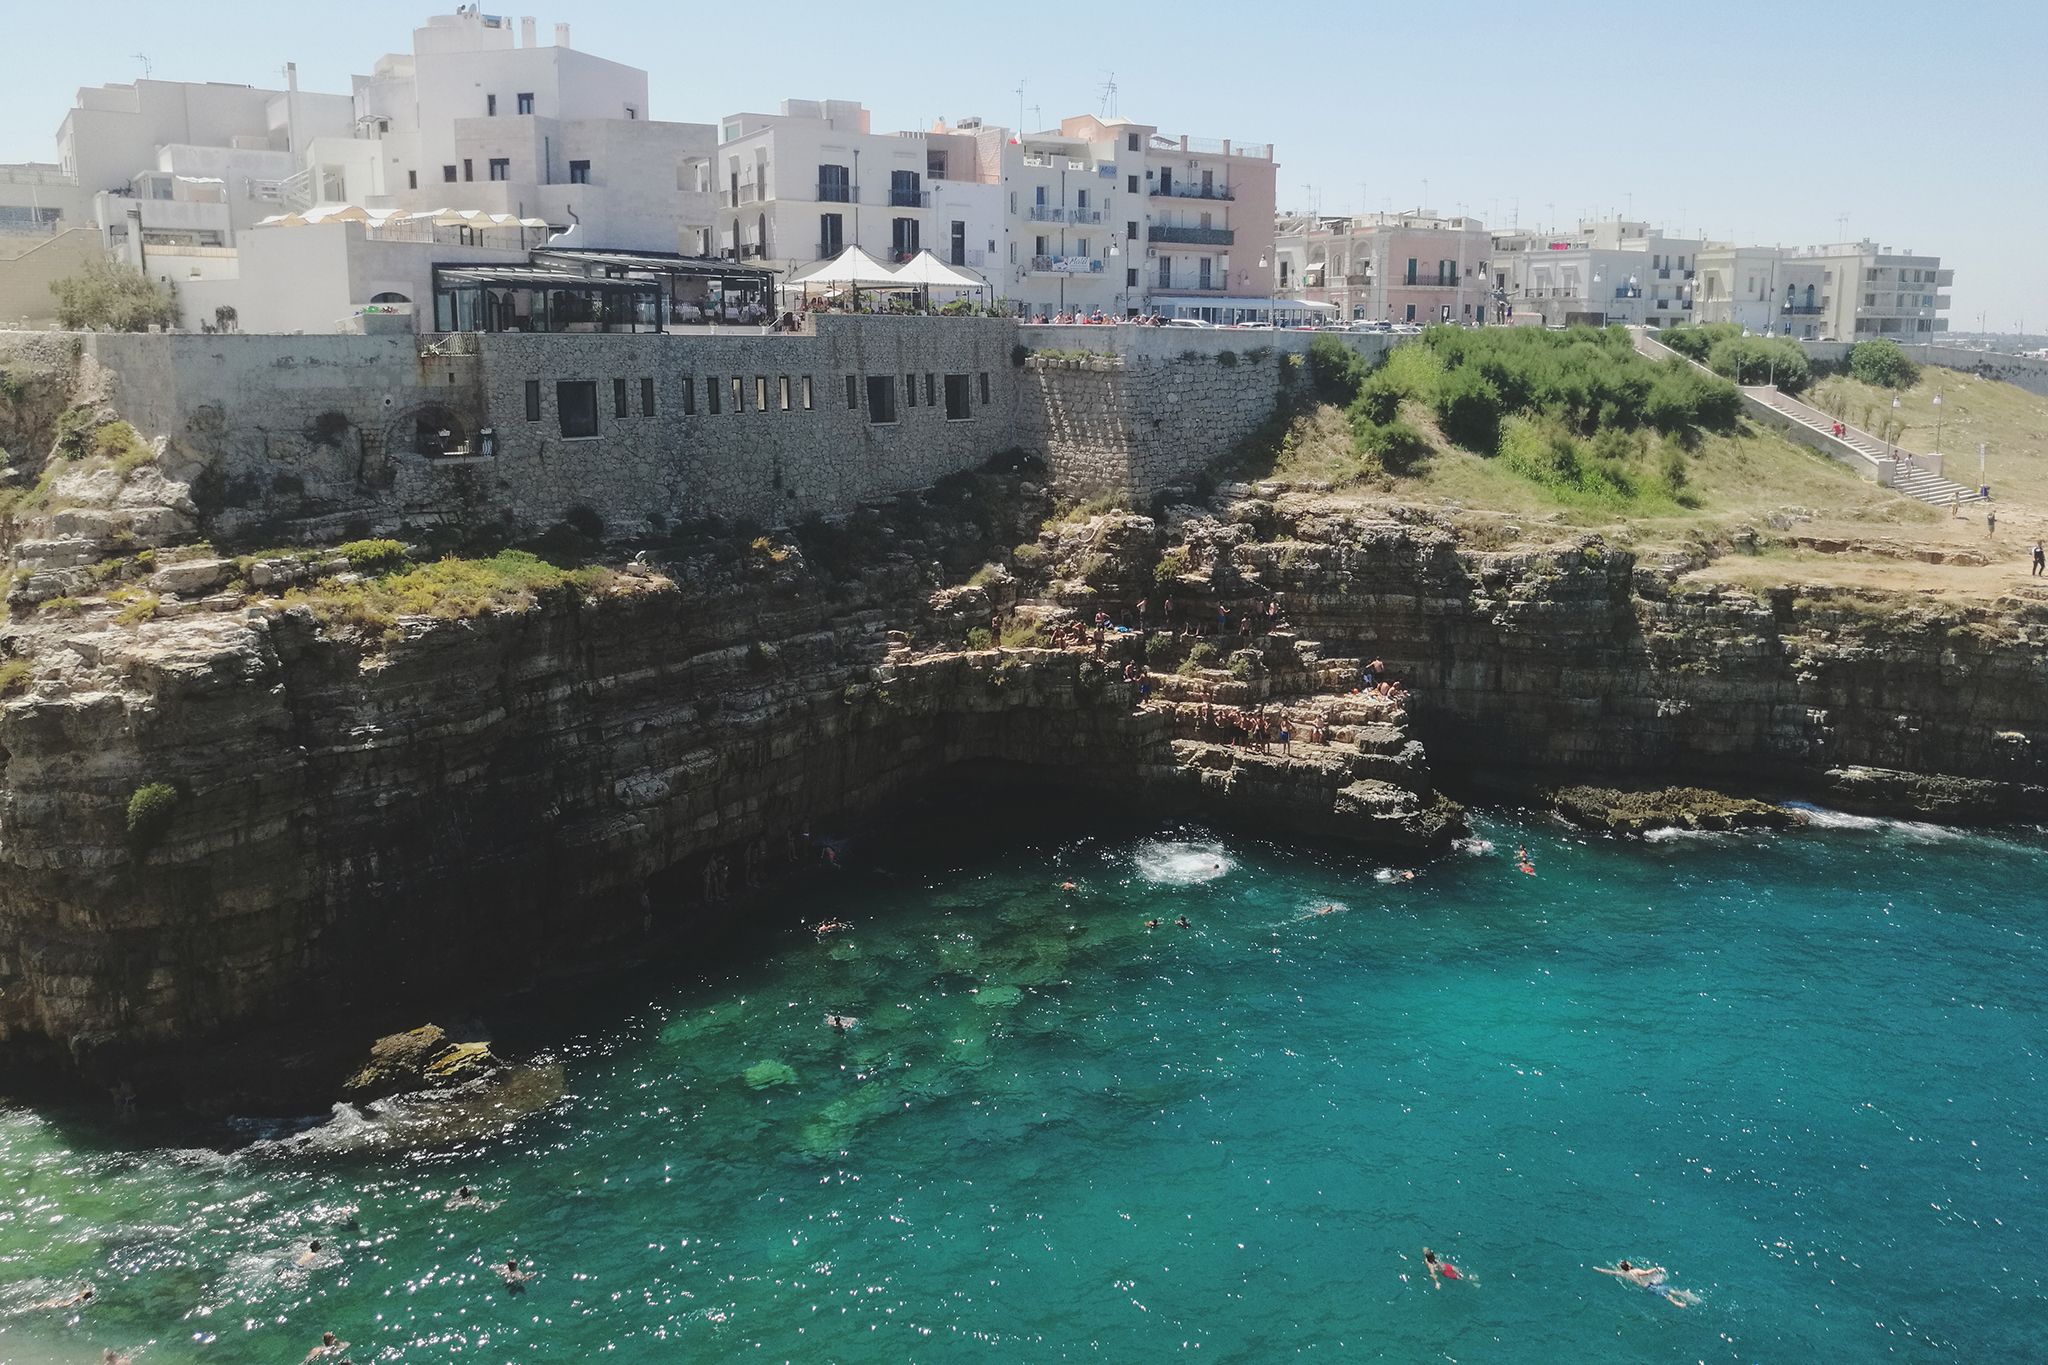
x: 851, y: 268
x: 926, y: 271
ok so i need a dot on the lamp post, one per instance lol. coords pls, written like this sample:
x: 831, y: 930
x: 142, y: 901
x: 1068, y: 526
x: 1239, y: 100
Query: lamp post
x: 1891, y: 432
x: 1937, y: 423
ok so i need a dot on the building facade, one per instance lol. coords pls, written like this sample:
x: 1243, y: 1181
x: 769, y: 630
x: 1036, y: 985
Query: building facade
x: 1416, y: 267
x: 1611, y: 270
x: 1870, y: 291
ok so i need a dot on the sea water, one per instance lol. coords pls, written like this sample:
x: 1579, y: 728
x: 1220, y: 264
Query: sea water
x: 1803, y: 1071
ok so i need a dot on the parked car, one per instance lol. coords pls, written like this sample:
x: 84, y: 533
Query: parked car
x: 1186, y: 322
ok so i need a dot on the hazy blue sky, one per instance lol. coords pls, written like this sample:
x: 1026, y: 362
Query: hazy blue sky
x: 1918, y: 125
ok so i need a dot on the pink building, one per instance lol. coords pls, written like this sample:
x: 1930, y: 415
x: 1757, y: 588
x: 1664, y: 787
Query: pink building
x: 1417, y: 267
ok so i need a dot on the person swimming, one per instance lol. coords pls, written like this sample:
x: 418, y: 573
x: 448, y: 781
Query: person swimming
x: 1066, y: 886
x: 1152, y: 923
x: 328, y: 1346
x: 1182, y: 923
x: 1439, y: 1270
x: 1650, y: 1277
x: 840, y: 1023
x: 308, y: 1256
x: 463, y: 1198
x: 515, y: 1279
x: 77, y: 1300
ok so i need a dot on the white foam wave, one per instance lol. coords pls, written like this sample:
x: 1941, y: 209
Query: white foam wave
x: 1181, y: 863
x: 1475, y: 846
x: 1818, y: 817
x: 1671, y: 834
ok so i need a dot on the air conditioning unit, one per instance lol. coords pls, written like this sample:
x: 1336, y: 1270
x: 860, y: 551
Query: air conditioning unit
x: 1151, y: 252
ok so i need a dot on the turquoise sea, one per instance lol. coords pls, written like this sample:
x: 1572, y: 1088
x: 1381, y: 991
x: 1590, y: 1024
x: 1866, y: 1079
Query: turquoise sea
x: 1804, y: 1072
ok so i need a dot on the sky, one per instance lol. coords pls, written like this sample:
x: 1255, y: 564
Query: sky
x: 1794, y: 122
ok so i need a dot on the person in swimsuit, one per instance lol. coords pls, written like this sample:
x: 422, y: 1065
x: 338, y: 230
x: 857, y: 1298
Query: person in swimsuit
x: 1650, y: 1277
x: 1439, y: 1271
x: 515, y: 1279
x: 308, y: 1256
x: 463, y: 1198
x: 78, y: 1300
x: 328, y: 1346
x: 1181, y: 923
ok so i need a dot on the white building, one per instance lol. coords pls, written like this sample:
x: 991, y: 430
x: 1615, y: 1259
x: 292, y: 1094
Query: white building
x: 1764, y: 290
x: 1870, y: 291
x: 1612, y: 270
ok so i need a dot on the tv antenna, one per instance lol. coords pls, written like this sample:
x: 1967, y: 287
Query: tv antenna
x: 1107, y: 93
x: 1841, y: 227
x: 142, y: 57
x: 1020, y: 106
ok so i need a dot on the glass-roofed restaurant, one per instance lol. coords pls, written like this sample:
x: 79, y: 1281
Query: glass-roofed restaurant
x: 573, y: 290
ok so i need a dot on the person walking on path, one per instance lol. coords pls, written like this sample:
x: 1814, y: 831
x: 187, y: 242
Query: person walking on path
x: 1991, y: 522
x: 2040, y: 559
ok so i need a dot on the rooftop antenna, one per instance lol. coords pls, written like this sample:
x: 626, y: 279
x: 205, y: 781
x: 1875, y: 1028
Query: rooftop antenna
x: 1037, y: 114
x: 1107, y: 92
x: 1020, y: 106
x: 1841, y: 227
x: 142, y: 57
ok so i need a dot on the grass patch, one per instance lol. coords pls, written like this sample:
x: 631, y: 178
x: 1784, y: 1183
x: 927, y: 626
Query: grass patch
x: 449, y: 590
x: 372, y: 556
x: 15, y: 675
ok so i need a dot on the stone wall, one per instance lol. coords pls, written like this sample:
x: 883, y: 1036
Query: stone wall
x: 2023, y: 371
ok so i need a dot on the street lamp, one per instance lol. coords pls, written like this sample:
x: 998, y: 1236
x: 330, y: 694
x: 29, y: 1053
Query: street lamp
x: 1891, y: 432
x: 1937, y: 423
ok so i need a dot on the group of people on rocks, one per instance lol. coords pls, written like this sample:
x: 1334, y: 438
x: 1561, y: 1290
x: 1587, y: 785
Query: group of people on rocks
x: 1254, y: 729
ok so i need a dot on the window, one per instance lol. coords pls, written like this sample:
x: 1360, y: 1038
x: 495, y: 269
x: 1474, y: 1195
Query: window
x: 910, y: 390
x: 807, y: 393
x: 412, y: 180
x: 448, y: 174
x: 760, y: 393
x: 903, y: 237
x: 831, y: 235
x: 501, y: 168
x: 782, y: 393
x: 689, y: 396
x: 931, y: 390
x: 1081, y: 246
x: 576, y: 406
x: 618, y: 398
x: 1130, y: 142
x: 1080, y: 199
x: 525, y: 100
x: 739, y: 394
x: 579, y: 172
x: 647, y: 398
x: 490, y: 105
x: 1131, y: 231
x: 468, y: 169
x: 984, y: 387
x: 904, y: 190
x: 956, y: 398
x: 835, y: 186
x: 852, y: 392
x: 533, y: 400
x: 1133, y: 183
x: 881, y: 399
x: 1131, y: 278
x: 711, y: 392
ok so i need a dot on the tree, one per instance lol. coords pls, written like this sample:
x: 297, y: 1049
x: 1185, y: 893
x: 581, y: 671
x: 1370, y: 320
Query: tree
x: 1879, y: 361
x: 110, y: 295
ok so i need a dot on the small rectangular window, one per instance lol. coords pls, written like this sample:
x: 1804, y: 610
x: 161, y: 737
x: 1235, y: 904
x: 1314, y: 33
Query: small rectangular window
x: 739, y: 393
x: 852, y: 392
x: 1130, y: 278
x: 576, y: 406
x: 1131, y: 231
x: 468, y: 169
x: 490, y: 105
x: 782, y: 392
x: 579, y: 172
x: 526, y: 103
x: 412, y: 180
x: 881, y: 399
x: 647, y: 398
x: 1131, y: 142
x: 760, y: 393
x: 956, y: 398
x: 931, y: 390
x: 501, y: 168
x: 984, y: 388
x: 533, y: 400
x: 807, y: 393
x: 689, y: 396
x: 448, y: 174
x: 1133, y: 183
x: 618, y: 398
x: 909, y: 390
x: 711, y: 394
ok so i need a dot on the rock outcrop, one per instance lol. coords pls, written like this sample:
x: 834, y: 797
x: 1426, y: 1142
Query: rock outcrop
x: 1639, y: 812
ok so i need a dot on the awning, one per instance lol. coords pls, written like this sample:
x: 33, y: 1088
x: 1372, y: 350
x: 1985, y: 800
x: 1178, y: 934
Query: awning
x: 851, y: 267
x: 926, y: 271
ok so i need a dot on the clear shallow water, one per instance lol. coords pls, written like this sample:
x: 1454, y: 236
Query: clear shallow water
x: 1803, y: 1072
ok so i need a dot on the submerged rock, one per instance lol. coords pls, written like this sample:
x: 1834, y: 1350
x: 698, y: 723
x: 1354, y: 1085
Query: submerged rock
x: 1636, y: 812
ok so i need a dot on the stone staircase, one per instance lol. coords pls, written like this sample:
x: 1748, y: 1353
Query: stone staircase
x: 1907, y: 476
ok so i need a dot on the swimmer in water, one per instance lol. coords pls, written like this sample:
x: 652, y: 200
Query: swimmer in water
x: 1328, y: 909
x: 1182, y: 923
x: 1408, y: 876
x: 829, y: 926
x: 110, y: 1356
x: 1066, y: 886
x: 78, y: 1300
x: 515, y: 1279
x: 1439, y: 1271
x: 308, y: 1256
x: 328, y: 1347
x: 1152, y: 924
x: 840, y: 1022
x: 1650, y: 1277
x: 463, y: 1198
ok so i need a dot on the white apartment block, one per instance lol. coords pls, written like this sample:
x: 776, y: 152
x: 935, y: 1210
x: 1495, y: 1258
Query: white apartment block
x: 1763, y: 290
x: 1870, y: 291
x: 1612, y: 270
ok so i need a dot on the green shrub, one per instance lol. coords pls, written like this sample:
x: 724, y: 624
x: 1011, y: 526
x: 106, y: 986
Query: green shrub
x: 1757, y: 360
x: 1396, y: 445
x: 1881, y: 361
x: 1227, y: 359
x: 1029, y: 556
x: 15, y: 675
x: 978, y: 637
x: 1334, y: 369
x: 1696, y: 341
x: 1241, y: 666
x: 1158, y: 648
x: 1171, y: 566
x: 150, y: 810
x: 110, y: 294
x: 1468, y: 408
x: 372, y: 556
x: 117, y: 442
x: 62, y: 606
x: 1378, y: 401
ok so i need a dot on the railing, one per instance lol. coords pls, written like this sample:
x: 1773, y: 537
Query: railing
x: 1425, y: 282
x: 910, y: 199
x: 1178, y: 191
x: 1039, y: 161
x: 749, y: 192
x: 973, y: 256
x: 750, y: 250
x: 1201, y: 284
x: 1084, y: 215
x: 22, y: 227
x: 1622, y: 291
x: 1065, y: 265
x: 1046, y: 213
x: 1191, y: 236
x: 831, y: 193
x: 1804, y: 309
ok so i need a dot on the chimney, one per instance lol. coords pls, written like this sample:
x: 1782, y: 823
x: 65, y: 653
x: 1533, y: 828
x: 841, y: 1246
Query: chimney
x: 526, y: 35
x: 291, y: 75
x: 561, y: 35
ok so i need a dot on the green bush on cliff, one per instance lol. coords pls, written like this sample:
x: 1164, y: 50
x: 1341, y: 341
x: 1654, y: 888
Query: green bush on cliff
x: 1171, y: 566
x: 978, y: 637
x: 150, y: 810
x: 117, y: 441
x: 372, y: 556
x: 14, y: 677
x: 1882, y: 362
x: 449, y: 589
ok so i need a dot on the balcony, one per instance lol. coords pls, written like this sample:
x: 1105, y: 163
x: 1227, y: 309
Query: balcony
x: 1046, y: 213
x: 834, y: 192
x: 1804, y: 309
x: 1200, y: 284
x: 1223, y: 192
x: 1084, y: 215
x: 751, y: 250
x: 1191, y: 236
x: 748, y: 192
x: 1425, y: 282
x: 910, y: 199
x: 1065, y: 265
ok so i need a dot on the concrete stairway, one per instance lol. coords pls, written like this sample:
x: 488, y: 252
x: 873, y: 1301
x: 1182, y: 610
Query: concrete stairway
x: 1907, y: 477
